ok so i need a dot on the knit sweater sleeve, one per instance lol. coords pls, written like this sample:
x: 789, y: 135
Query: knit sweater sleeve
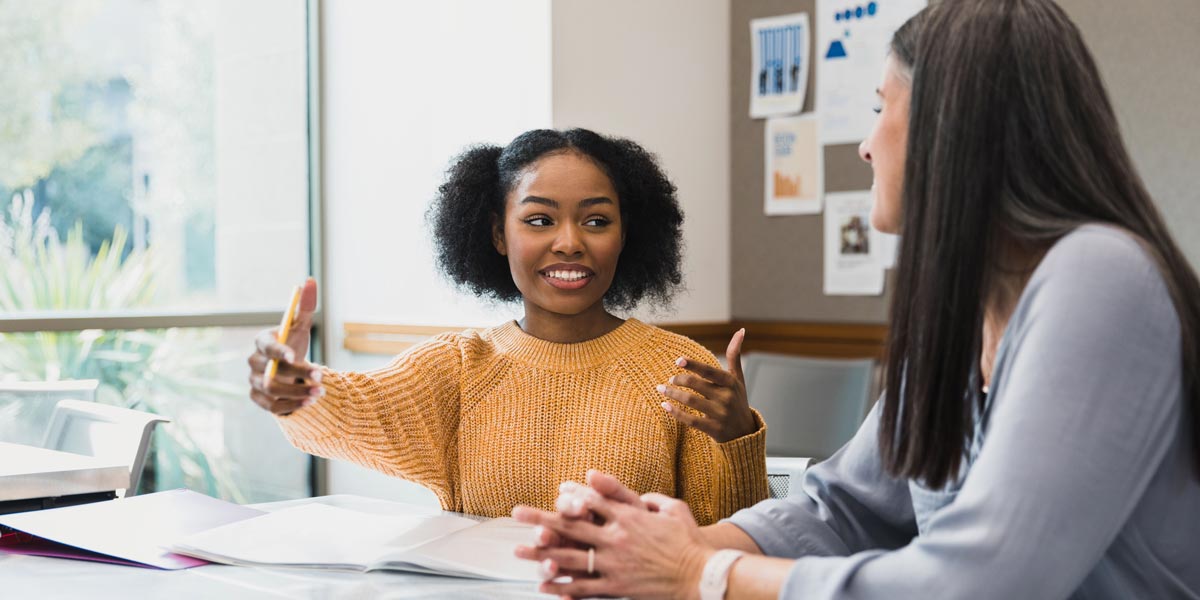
x: 718, y: 479
x: 401, y: 420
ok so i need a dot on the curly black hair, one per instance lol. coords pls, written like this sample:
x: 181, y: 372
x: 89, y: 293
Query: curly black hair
x: 478, y: 180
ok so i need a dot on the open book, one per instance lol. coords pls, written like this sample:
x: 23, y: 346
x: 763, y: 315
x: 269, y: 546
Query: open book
x: 323, y: 536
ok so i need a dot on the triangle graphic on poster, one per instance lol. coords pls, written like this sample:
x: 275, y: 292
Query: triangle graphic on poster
x: 836, y: 50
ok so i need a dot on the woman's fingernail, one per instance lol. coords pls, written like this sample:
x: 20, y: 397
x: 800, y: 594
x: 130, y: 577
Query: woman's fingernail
x: 662, y: 389
x: 547, y: 569
x: 315, y: 375
x: 562, y: 503
x: 666, y: 406
x: 577, y: 504
x: 681, y: 361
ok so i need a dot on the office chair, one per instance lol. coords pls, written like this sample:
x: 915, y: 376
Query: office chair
x: 812, y: 407
x: 103, y: 431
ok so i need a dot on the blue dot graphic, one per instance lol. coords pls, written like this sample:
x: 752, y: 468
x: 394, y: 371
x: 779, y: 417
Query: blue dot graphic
x: 837, y: 17
x: 858, y: 12
x: 871, y: 8
x: 846, y: 15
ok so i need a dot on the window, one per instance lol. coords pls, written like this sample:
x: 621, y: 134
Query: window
x: 154, y: 215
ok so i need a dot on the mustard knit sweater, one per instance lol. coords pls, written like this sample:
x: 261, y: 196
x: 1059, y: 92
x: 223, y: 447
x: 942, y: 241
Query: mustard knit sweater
x: 492, y: 419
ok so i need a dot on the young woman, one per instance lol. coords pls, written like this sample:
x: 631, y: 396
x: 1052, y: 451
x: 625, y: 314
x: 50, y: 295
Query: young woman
x: 572, y: 224
x: 1039, y: 433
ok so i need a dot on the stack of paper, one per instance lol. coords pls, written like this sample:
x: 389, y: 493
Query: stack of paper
x: 133, y: 530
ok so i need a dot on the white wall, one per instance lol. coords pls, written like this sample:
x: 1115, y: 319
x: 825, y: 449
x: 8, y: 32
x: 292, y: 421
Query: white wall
x: 658, y: 73
x: 1147, y: 53
x: 394, y: 113
x: 406, y: 86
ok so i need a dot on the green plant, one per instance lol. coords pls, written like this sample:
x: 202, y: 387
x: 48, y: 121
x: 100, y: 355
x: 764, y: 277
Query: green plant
x: 169, y: 371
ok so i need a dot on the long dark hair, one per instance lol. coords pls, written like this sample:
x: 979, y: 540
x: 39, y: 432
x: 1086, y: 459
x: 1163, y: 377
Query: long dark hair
x: 1012, y: 142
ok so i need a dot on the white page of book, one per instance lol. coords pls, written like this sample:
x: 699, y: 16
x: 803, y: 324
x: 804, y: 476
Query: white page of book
x: 485, y: 550
x: 317, y: 535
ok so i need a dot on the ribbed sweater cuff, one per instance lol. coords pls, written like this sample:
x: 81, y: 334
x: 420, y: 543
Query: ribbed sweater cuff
x: 746, y: 465
x: 312, y: 427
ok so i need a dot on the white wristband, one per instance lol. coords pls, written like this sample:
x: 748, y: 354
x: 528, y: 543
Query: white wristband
x: 715, y: 577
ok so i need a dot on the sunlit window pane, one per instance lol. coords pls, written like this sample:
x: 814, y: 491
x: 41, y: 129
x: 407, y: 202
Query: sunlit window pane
x: 167, y: 138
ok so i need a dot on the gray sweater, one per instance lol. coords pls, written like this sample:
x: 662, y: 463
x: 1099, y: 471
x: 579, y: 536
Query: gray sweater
x: 1079, y: 482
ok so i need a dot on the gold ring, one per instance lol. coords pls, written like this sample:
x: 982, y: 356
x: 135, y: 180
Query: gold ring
x: 591, y: 560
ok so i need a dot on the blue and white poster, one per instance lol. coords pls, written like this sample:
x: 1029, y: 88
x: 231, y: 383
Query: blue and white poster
x: 779, y: 58
x: 853, y: 37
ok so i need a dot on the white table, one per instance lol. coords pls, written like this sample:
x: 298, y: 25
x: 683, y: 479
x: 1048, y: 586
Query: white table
x: 28, y: 472
x: 40, y: 577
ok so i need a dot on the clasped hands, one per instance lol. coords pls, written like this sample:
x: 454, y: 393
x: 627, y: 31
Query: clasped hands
x: 604, y: 539
x: 646, y: 546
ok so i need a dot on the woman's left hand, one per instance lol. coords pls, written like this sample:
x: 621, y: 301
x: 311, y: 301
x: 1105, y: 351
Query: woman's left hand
x: 721, y: 399
x: 650, y: 551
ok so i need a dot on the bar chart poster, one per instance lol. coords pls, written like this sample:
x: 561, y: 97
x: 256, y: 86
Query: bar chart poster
x: 853, y: 37
x: 794, y: 169
x: 780, y: 61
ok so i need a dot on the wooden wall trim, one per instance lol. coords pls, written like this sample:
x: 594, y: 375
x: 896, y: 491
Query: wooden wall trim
x: 823, y: 340
x: 389, y: 339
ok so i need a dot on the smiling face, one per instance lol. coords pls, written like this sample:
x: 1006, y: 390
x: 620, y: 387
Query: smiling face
x: 887, y: 146
x: 562, y: 234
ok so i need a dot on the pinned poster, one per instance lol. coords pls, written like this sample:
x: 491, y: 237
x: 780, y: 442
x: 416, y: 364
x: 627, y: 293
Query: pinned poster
x: 779, y: 64
x: 853, y: 38
x: 794, y: 167
x: 852, y: 264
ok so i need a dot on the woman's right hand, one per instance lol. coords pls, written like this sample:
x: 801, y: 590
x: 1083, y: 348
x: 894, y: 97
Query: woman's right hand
x: 572, y: 505
x: 651, y: 548
x: 297, y: 382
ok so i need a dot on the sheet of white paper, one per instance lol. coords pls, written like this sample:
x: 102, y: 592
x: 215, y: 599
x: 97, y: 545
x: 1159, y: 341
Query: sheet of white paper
x: 850, y: 267
x: 316, y: 535
x: 853, y: 37
x: 779, y: 63
x: 138, y: 528
x: 794, y: 166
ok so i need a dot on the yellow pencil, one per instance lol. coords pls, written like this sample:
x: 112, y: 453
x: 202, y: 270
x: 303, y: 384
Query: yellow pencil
x: 284, y: 327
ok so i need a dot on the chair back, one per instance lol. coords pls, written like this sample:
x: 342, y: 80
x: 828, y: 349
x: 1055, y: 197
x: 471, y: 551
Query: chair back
x: 25, y: 406
x: 812, y: 406
x: 104, y: 431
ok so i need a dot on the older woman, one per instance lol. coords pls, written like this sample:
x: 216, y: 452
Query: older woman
x: 1040, y: 433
